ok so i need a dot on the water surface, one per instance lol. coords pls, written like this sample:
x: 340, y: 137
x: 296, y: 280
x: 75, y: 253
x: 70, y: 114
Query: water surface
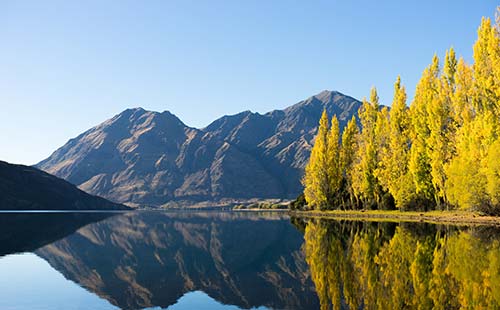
x: 242, y: 260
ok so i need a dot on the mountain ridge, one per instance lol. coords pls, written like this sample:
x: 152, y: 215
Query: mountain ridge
x: 27, y: 188
x: 147, y: 158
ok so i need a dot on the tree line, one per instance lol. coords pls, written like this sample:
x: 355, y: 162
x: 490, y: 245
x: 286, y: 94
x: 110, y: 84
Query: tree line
x: 440, y: 152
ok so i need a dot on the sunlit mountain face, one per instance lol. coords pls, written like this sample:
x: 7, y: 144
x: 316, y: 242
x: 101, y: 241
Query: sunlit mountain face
x: 152, y: 259
x: 146, y: 158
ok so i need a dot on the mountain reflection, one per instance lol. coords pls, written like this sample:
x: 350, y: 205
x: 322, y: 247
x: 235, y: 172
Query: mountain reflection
x: 26, y: 232
x: 139, y: 260
x: 366, y: 265
x: 151, y: 259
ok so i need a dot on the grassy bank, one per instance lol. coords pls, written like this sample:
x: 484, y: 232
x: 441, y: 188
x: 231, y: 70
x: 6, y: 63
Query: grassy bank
x: 442, y: 217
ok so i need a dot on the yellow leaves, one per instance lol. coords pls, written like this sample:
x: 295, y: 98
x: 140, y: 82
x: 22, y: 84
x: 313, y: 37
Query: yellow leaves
x: 462, y: 104
x: 392, y: 170
x: 473, y: 172
x: 432, y: 128
x: 349, y: 145
x: 450, y: 67
x: 492, y: 171
x: 444, y: 148
x: 441, y: 152
x: 487, y: 68
x: 315, y: 178
x: 323, y: 174
x: 347, y: 153
x: 334, y: 161
x: 364, y: 182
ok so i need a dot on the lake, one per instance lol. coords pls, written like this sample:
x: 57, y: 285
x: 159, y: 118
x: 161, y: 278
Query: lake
x: 242, y: 260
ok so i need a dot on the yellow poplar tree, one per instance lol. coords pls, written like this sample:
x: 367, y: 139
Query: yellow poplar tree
x: 487, y: 79
x: 382, y: 144
x: 393, y: 171
x: 440, y: 125
x: 334, y: 165
x: 461, y: 167
x: 461, y: 98
x: 315, y: 180
x: 420, y: 162
x: 474, y: 174
x: 492, y: 171
x: 348, y: 153
x: 364, y: 181
x: 487, y: 67
x: 466, y: 172
x: 444, y: 150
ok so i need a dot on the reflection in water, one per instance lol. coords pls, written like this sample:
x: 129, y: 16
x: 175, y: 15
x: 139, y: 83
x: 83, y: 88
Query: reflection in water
x: 248, y: 260
x: 200, y: 300
x: 151, y: 259
x: 23, y: 232
x: 409, y: 266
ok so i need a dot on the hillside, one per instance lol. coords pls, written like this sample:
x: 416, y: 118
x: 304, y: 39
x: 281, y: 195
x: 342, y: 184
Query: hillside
x: 27, y: 188
x: 146, y: 158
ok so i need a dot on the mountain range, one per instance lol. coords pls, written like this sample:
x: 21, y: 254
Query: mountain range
x: 152, y: 159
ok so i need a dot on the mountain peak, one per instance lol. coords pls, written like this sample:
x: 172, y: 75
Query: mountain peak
x: 325, y: 92
x: 134, y: 115
x: 323, y: 99
x: 136, y: 109
x: 142, y: 157
x: 327, y: 96
x: 132, y: 111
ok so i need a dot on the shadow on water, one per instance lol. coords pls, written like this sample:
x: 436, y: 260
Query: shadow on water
x: 26, y: 232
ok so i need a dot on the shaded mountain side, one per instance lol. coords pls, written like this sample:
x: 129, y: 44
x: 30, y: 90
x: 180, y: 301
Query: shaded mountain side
x: 146, y: 259
x: 26, y: 232
x: 146, y: 158
x: 27, y: 188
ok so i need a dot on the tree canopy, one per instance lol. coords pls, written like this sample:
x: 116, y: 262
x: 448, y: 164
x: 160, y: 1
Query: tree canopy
x: 440, y: 152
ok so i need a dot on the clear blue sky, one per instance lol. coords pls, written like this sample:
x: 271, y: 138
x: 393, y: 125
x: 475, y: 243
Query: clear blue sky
x: 69, y: 65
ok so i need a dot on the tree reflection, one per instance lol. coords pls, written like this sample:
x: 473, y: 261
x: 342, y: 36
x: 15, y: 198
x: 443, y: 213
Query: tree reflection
x: 360, y: 265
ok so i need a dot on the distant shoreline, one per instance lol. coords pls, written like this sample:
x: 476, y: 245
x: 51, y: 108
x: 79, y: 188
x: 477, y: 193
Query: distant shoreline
x: 437, y: 217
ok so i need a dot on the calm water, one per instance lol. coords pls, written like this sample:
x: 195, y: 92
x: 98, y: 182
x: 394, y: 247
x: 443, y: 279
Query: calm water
x: 221, y: 260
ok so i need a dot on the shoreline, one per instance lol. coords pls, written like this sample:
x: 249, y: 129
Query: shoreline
x: 434, y: 217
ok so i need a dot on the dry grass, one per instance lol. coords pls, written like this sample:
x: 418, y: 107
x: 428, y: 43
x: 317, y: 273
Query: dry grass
x: 443, y: 217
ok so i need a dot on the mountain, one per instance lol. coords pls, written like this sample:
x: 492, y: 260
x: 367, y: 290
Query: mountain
x: 149, y: 259
x: 27, y: 188
x: 146, y: 158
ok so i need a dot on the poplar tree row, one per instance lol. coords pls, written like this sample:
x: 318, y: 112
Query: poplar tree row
x: 441, y: 152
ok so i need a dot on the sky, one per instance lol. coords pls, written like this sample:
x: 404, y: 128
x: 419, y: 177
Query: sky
x: 66, y: 66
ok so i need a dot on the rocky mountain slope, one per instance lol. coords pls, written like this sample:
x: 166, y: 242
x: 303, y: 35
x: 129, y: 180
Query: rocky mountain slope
x: 27, y: 188
x: 146, y: 158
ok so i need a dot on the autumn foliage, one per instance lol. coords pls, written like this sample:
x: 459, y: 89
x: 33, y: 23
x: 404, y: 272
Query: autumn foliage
x: 440, y: 152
